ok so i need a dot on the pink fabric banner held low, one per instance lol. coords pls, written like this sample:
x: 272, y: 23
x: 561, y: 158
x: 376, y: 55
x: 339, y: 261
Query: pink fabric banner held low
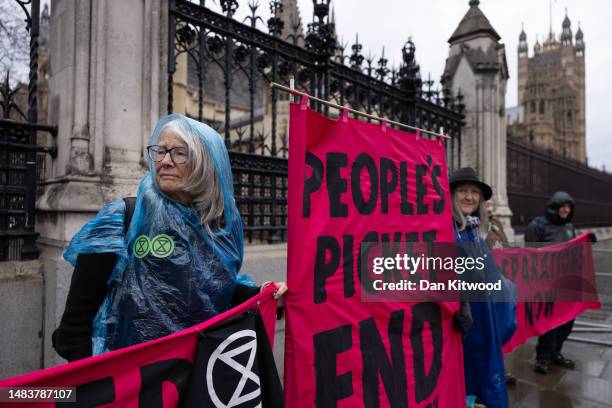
x: 134, y: 376
x: 553, y: 278
x: 351, y: 182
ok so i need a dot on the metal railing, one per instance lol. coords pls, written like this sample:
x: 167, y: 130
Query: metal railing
x: 20, y: 163
x: 535, y: 174
x: 230, y: 66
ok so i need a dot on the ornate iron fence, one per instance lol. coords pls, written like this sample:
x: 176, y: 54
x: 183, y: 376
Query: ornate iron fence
x: 220, y: 70
x: 535, y: 174
x: 20, y: 161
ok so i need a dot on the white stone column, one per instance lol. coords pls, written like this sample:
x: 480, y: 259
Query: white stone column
x: 106, y: 92
x: 483, y: 138
x: 499, y: 172
x: 490, y: 134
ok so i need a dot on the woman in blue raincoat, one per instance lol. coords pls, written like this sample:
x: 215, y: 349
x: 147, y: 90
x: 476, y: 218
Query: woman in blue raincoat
x: 494, y: 315
x: 175, y: 265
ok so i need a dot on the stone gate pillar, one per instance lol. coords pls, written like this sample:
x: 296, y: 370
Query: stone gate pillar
x: 477, y: 66
x: 106, y: 92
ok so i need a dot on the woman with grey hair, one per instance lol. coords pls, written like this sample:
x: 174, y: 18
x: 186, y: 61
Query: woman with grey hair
x: 469, y: 197
x: 169, y: 264
x: 494, y: 322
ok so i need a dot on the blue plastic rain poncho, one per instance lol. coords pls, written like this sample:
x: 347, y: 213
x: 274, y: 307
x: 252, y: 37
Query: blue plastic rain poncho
x: 494, y: 324
x: 171, y: 272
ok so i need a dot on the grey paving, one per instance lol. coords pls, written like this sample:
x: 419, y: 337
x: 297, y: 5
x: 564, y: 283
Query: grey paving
x: 589, y: 385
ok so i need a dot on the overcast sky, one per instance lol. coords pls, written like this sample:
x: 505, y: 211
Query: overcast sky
x: 430, y: 23
x: 389, y: 23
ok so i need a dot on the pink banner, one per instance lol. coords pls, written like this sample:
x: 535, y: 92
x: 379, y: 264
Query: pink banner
x: 116, y: 378
x: 556, y: 283
x: 352, y: 182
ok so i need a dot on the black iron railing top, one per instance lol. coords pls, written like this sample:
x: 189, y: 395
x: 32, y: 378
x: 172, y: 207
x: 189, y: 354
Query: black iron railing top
x: 534, y: 174
x: 231, y: 65
x: 195, y: 22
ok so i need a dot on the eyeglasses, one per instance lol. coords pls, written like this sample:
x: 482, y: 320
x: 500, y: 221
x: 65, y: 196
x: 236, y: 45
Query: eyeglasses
x: 179, y: 155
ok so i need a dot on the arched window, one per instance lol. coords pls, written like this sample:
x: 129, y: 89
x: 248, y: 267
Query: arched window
x: 569, y: 117
x: 532, y: 108
x: 542, y: 107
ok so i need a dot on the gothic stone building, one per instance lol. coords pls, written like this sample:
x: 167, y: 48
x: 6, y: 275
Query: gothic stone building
x: 551, y: 94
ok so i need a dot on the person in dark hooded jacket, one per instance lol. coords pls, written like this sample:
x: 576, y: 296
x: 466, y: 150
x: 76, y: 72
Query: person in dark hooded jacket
x: 555, y: 226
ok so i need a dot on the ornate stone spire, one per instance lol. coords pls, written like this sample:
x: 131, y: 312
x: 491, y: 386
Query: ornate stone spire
x: 566, y: 34
x: 537, y: 48
x: 579, y: 40
x: 523, y: 48
x: 474, y: 22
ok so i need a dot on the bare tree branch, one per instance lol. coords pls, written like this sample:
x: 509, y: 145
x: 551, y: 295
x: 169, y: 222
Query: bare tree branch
x: 14, y: 42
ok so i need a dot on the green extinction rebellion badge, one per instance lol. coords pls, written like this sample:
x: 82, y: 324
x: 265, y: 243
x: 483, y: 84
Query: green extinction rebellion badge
x: 162, y: 246
x: 142, y: 246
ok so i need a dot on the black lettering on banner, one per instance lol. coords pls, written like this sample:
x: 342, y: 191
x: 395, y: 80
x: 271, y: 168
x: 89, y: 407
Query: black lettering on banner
x: 387, y: 185
x: 438, y: 205
x: 421, y: 189
x: 580, y: 254
x: 406, y: 207
x: 92, y: 394
x: 429, y: 236
x: 514, y: 263
x: 525, y: 268
x: 542, y: 305
x: 347, y: 266
x: 550, y: 304
x: 364, y: 161
x: 568, y: 264
x: 390, y: 250
x: 539, y: 299
x: 564, y: 264
x: 514, y: 268
x: 411, y: 237
x: 336, y: 185
x: 544, y: 267
x: 425, y: 384
x: 529, y: 312
x: 313, y: 183
x: 553, y: 270
x: 175, y: 371
x: 370, y: 240
x: 504, y: 269
x: 376, y: 363
x: 323, y: 268
x: 573, y: 255
x: 534, y: 269
x: 433, y: 404
x: 331, y: 388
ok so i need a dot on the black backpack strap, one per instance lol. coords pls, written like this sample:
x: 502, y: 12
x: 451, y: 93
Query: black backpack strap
x: 130, y: 205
